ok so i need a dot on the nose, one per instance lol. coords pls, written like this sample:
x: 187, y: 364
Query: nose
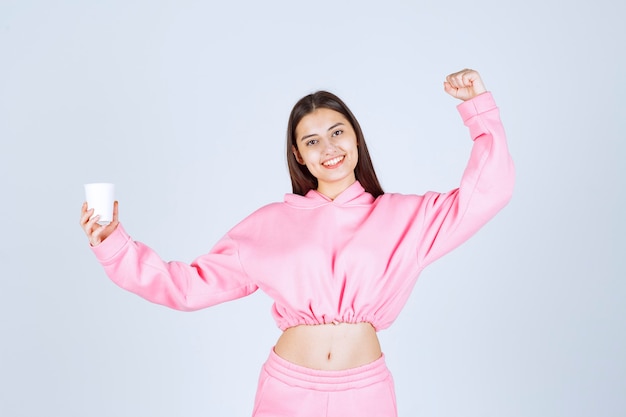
x: 330, y: 147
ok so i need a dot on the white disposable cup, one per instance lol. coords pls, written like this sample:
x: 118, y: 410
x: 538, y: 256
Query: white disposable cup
x: 100, y: 197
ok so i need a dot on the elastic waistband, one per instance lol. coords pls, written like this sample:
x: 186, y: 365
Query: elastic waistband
x: 321, y: 380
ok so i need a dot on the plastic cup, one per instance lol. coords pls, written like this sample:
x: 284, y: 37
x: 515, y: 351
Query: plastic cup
x: 100, y: 197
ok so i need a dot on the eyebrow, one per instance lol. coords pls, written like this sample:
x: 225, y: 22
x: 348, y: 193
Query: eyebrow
x: 315, y: 134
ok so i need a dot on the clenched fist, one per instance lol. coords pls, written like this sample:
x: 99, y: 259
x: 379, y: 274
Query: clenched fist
x: 464, y: 85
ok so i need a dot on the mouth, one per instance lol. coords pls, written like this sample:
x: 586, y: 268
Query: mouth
x: 334, y: 162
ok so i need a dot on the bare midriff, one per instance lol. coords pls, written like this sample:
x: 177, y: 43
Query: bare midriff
x: 329, y: 346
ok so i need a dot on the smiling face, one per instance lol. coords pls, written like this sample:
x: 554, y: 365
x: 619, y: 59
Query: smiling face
x: 326, y: 143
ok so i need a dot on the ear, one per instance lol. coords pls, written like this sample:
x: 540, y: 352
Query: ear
x: 296, y: 153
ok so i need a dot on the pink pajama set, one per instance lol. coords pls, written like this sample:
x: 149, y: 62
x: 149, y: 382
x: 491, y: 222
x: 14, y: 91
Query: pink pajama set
x: 352, y: 259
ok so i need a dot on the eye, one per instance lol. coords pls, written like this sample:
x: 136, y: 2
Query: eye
x: 311, y: 142
x: 337, y: 132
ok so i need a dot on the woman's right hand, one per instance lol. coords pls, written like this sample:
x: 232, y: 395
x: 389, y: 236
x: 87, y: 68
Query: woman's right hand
x: 95, y: 232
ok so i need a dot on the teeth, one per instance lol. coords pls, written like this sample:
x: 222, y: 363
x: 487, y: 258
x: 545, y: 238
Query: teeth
x: 333, y: 161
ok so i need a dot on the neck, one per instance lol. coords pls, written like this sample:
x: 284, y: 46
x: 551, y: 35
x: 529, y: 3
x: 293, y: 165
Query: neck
x: 333, y: 190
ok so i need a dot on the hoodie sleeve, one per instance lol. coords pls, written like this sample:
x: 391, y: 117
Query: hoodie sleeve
x: 211, y: 279
x: 486, y: 186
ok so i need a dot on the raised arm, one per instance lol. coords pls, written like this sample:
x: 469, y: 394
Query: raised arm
x: 487, y: 182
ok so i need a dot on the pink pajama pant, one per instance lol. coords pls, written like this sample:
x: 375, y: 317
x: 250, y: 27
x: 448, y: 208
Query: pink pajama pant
x: 289, y: 390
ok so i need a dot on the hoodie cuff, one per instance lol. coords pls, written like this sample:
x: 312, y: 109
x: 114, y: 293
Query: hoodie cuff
x: 112, y: 245
x: 480, y: 104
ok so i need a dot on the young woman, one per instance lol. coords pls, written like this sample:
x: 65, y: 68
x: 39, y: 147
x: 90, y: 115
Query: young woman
x: 338, y: 256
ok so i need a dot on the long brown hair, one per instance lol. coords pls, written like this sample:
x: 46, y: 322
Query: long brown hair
x: 301, y: 179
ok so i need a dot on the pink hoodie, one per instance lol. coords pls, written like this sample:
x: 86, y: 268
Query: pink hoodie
x: 352, y: 259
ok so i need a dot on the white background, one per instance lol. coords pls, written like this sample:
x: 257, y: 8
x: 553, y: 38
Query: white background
x: 184, y: 105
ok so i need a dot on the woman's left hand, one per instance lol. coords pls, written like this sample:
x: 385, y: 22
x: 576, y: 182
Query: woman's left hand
x: 464, y: 85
